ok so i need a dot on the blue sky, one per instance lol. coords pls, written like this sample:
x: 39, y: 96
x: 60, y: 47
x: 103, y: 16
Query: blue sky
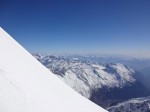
x: 79, y: 26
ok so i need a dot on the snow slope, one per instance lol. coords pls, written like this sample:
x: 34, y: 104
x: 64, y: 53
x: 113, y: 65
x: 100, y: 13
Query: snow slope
x: 27, y: 86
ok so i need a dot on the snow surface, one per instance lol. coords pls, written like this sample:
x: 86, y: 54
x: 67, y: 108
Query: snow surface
x: 27, y: 86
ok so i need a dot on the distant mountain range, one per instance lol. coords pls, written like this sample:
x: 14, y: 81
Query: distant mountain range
x: 106, y: 84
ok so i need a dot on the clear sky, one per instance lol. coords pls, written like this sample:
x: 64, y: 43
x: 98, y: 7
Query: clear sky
x: 79, y: 26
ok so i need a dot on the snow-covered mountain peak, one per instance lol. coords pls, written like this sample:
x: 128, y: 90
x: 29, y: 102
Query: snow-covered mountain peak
x: 27, y: 86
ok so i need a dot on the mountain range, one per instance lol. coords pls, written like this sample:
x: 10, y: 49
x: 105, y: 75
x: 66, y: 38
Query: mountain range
x: 106, y: 84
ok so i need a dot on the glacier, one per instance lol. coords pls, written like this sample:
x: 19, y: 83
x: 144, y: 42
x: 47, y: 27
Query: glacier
x: 27, y: 86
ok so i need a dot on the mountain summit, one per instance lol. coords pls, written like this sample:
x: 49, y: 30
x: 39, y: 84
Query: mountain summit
x: 27, y: 86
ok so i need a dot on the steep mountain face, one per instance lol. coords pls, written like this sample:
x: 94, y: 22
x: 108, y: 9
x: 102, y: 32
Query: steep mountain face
x: 104, y: 84
x: 133, y: 105
x: 27, y: 86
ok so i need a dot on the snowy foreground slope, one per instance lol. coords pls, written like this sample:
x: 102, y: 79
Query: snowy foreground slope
x: 27, y: 86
